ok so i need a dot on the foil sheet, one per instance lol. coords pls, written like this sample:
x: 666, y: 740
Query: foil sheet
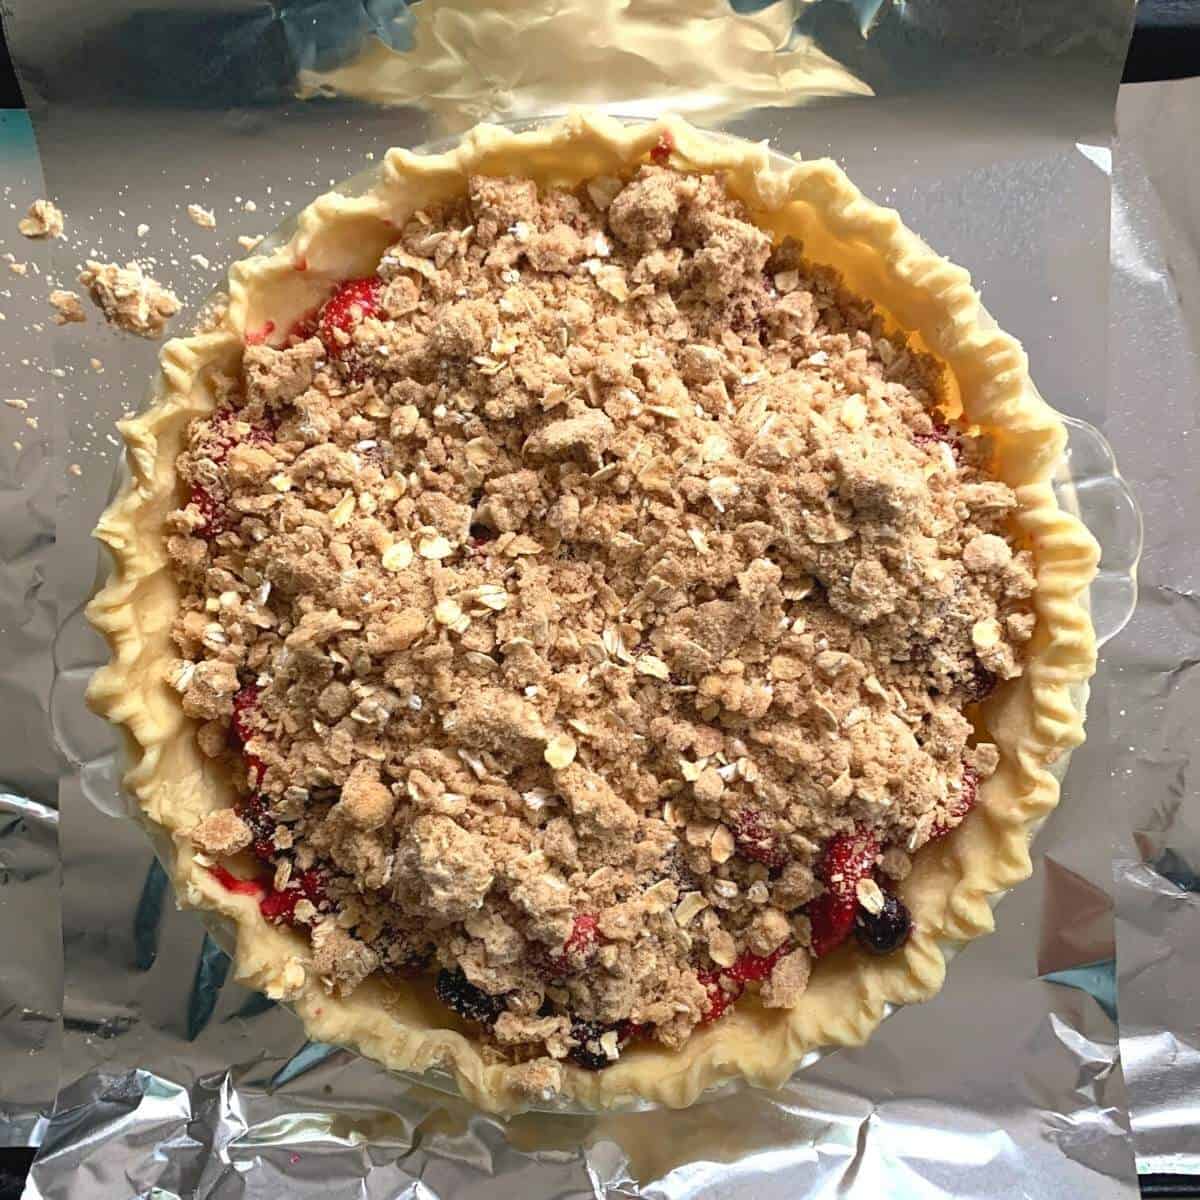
x: 1156, y: 369
x: 30, y: 478
x: 988, y: 127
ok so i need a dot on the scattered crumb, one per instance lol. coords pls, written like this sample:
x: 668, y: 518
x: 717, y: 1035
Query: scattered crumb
x: 129, y: 298
x: 75, y: 469
x: 249, y: 243
x: 202, y: 216
x: 44, y: 219
x: 201, y: 261
x: 143, y: 229
x: 250, y: 206
x: 18, y: 268
x: 32, y: 422
x: 17, y: 403
x: 96, y: 365
x: 18, y: 446
x: 67, y: 308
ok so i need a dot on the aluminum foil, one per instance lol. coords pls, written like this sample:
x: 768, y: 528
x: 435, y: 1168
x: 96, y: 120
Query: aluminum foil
x: 1156, y: 372
x: 988, y: 127
x: 30, y: 477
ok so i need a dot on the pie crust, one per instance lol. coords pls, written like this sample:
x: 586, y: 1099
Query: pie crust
x: 1033, y: 719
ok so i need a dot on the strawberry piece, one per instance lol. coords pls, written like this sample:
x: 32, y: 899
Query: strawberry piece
x: 719, y: 1000
x: 257, y: 337
x: 754, y: 968
x: 848, y: 859
x: 579, y: 946
x: 221, y: 436
x: 756, y: 840
x: 351, y: 304
x: 280, y: 907
x: 211, y: 510
x: 231, y: 883
x: 961, y: 805
x: 663, y: 149
x: 245, y: 702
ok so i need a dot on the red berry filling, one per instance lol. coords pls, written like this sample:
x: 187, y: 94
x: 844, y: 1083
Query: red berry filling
x: 254, y: 811
x: 663, y: 149
x: 756, y: 840
x: 244, y: 705
x: 211, y: 510
x: 719, y: 1000
x: 749, y: 968
x: 961, y: 805
x: 579, y: 946
x: 848, y: 859
x: 754, y: 968
x: 231, y: 883
x: 256, y: 337
x: 351, y: 304
x: 280, y: 907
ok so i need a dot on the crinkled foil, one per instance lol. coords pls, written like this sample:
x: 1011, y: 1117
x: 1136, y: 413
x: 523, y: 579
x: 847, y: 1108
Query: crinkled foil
x: 988, y: 126
x: 30, y: 478
x: 1156, y: 374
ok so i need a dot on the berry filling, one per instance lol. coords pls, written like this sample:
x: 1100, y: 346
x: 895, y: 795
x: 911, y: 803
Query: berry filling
x: 663, y: 149
x: 590, y: 1053
x: 848, y: 859
x: 280, y: 907
x: 231, y: 883
x: 254, y: 811
x: 348, y: 307
x: 461, y: 996
x: 884, y: 931
x: 579, y: 946
x: 211, y: 510
x: 756, y: 841
x: 961, y: 805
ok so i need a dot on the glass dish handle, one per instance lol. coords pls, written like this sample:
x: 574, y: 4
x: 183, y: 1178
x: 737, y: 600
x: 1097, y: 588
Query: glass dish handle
x: 1089, y: 485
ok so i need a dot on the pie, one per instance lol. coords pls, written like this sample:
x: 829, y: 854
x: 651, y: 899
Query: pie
x: 593, y: 614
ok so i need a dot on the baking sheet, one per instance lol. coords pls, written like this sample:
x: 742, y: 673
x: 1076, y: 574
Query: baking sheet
x: 989, y: 134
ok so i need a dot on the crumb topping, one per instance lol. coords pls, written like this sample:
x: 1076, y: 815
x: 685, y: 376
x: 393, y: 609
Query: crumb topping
x: 129, y: 298
x: 590, y: 605
x: 67, y: 307
x: 44, y: 219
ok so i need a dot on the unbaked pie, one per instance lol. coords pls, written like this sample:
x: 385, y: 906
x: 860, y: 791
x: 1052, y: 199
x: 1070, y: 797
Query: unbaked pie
x: 593, y: 612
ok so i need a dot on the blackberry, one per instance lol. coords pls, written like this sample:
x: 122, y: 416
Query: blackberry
x: 459, y: 995
x: 589, y: 1054
x: 886, y: 930
x: 255, y: 811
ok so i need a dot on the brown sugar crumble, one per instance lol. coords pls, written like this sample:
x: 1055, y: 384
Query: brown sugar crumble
x: 128, y: 298
x: 44, y: 219
x: 587, y: 605
x: 67, y: 308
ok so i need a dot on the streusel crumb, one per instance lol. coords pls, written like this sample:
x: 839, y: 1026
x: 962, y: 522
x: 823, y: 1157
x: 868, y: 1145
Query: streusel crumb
x: 44, y: 219
x: 589, y: 603
x: 129, y: 298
